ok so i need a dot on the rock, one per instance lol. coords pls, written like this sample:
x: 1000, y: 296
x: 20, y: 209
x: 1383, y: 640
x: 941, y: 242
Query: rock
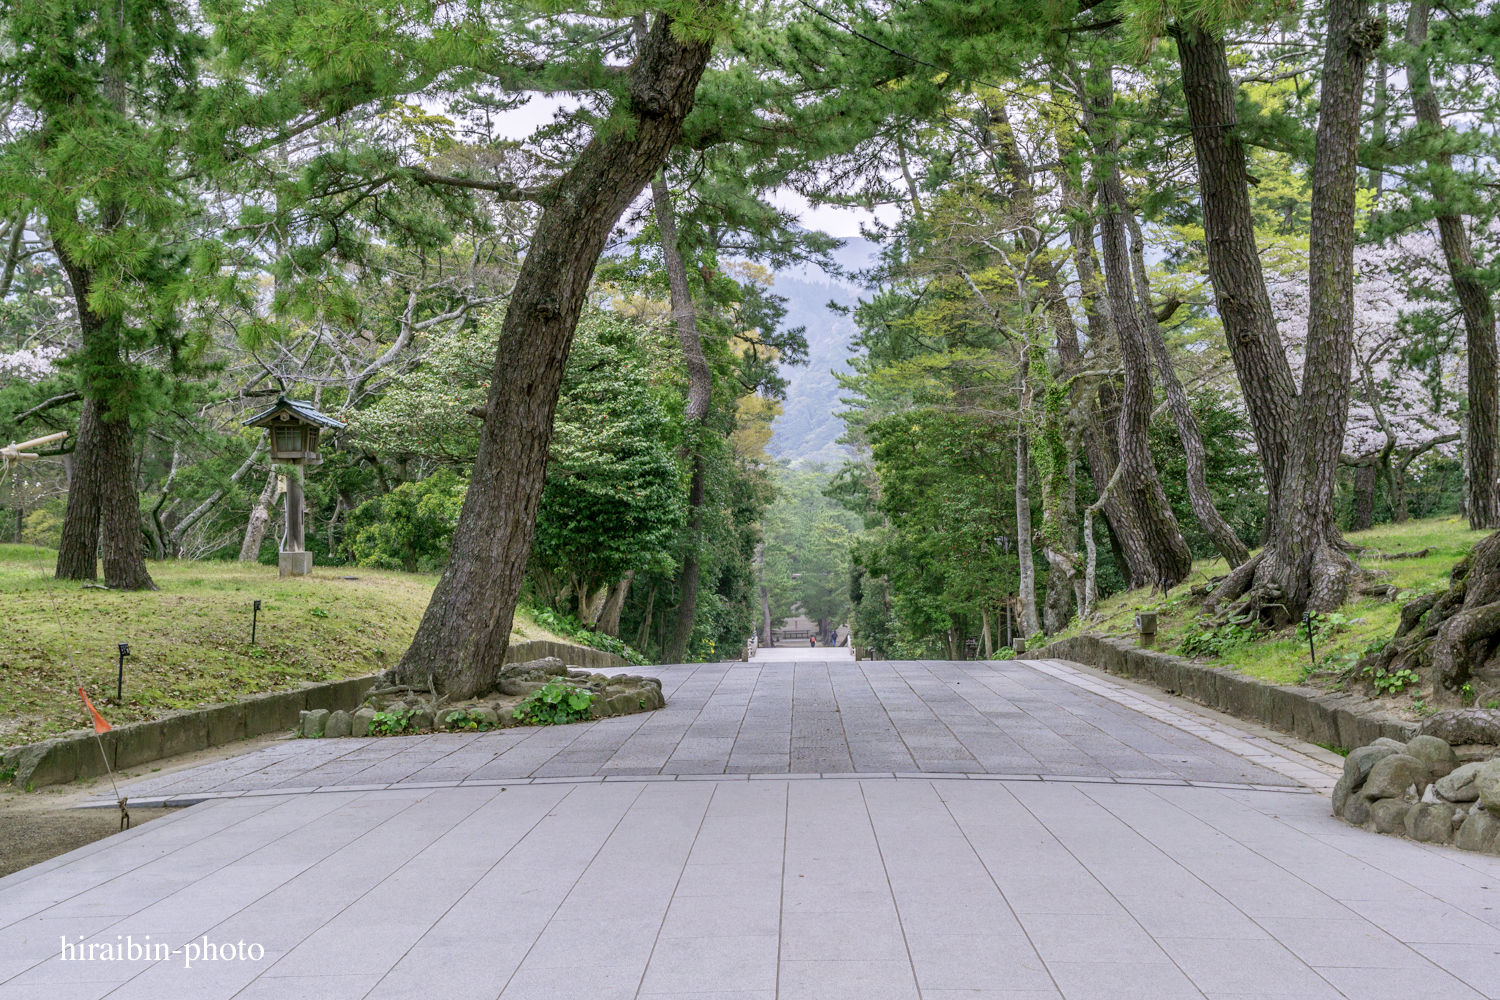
x: 505, y: 717
x: 1340, y: 795
x: 518, y: 687
x: 1390, y: 777
x: 1464, y: 725
x: 577, y: 675
x: 1458, y: 786
x: 1487, y: 781
x: 1390, y: 815
x: 1357, y: 809
x: 1430, y: 824
x: 339, y: 724
x: 1435, y: 753
x: 623, y: 703
x: 1478, y: 832
x: 359, y: 725
x: 422, y: 719
x: 484, y: 716
x: 1359, y: 762
x: 1386, y: 741
x: 311, y: 724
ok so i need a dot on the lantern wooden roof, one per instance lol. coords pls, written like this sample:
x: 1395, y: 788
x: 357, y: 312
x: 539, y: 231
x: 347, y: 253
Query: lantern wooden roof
x: 293, y: 429
x: 294, y: 411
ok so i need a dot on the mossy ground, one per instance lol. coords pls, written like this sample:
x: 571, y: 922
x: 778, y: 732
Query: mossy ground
x: 1283, y: 658
x: 190, y: 640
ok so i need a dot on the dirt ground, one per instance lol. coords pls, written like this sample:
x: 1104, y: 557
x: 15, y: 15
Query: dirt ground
x: 37, y: 826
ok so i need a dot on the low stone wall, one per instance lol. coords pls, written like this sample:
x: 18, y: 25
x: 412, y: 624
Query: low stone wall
x: 76, y: 755
x: 578, y: 656
x: 1330, y: 718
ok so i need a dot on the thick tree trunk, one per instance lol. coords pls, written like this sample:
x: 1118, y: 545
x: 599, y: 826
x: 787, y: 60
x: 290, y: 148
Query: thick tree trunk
x: 609, y: 621
x: 1304, y: 566
x: 260, y: 519
x: 700, y: 391
x: 1031, y: 623
x: 1096, y: 406
x: 1140, y: 484
x: 464, y: 633
x: 687, y: 580
x: 1364, y: 499
x: 120, y: 536
x: 1240, y: 294
x: 1482, y: 447
x: 78, y: 552
x: 1218, y: 530
x: 765, y: 612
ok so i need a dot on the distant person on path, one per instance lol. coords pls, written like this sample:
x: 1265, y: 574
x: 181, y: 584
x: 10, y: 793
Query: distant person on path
x: 812, y: 641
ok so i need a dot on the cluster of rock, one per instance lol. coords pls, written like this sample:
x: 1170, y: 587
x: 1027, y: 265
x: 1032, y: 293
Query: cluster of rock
x: 612, y: 696
x: 1422, y: 789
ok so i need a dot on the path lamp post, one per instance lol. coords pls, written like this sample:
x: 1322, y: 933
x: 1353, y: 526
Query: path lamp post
x: 293, y: 428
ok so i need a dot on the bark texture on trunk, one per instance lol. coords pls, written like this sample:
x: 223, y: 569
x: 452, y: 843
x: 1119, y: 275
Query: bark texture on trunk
x: 700, y: 391
x: 260, y: 520
x: 1140, y: 484
x: 78, y: 552
x: 1031, y: 623
x: 1304, y: 567
x: 1364, y: 499
x: 1240, y: 293
x: 465, y: 631
x: 1097, y: 405
x: 609, y: 621
x: 1481, y: 445
x: 1218, y: 530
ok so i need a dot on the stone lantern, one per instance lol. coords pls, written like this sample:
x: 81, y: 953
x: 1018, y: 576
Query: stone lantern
x: 293, y: 429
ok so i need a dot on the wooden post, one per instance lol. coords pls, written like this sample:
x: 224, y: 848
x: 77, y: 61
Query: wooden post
x: 294, y: 560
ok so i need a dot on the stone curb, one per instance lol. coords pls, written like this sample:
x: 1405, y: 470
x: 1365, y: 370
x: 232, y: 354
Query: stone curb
x: 193, y: 798
x: 76, y: 755
x: 1330, y: 718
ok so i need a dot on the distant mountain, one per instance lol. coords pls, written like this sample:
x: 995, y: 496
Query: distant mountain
x: 807, y: 431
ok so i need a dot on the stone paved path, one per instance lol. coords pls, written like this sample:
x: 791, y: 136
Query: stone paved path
x: 773, y: 718
x: 939, y: 886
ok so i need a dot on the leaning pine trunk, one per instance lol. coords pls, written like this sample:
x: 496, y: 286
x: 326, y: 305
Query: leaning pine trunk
x: 609, y: 621
x: 465, y: 631
x: 1140, y: 484
x: 1240, y: 294
x: 1209, y: 519
x: 1482, y: 449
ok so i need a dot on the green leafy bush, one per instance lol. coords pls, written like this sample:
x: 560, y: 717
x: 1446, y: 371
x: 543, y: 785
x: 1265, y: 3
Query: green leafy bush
x: 571, y: 628
x: 391, y: 723
x: 1392, y: 683
x: 554, y: 704
x: 410, y: 527
x: 1206, y: 637
x: 461, y: 719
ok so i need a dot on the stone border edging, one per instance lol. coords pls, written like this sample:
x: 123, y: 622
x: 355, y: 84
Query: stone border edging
x: 1332, y: 718
x: 76, y: 755
x: 193, y: 798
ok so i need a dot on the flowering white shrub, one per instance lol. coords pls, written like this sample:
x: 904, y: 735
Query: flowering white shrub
x: 29, y: 365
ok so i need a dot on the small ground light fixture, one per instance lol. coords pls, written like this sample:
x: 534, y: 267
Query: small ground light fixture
x: 254, y: 615
x: 120, y: 678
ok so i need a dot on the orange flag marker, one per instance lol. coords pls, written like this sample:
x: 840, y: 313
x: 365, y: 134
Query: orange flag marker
x: 100, y: 726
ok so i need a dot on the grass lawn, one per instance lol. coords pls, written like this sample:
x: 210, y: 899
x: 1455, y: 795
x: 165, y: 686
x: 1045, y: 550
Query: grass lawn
x: 190, y: 640
x: 1282, y: 658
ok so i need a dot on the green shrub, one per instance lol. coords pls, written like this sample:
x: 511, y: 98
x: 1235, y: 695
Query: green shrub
x: 554, y: 704
x: 410, y: 527
x: 1206, y: 637
x: 461, y: 719
x: 571, y: 628
x: 391, y: 723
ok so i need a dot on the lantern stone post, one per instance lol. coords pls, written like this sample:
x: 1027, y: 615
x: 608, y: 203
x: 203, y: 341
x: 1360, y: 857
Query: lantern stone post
x: 293, y: 428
